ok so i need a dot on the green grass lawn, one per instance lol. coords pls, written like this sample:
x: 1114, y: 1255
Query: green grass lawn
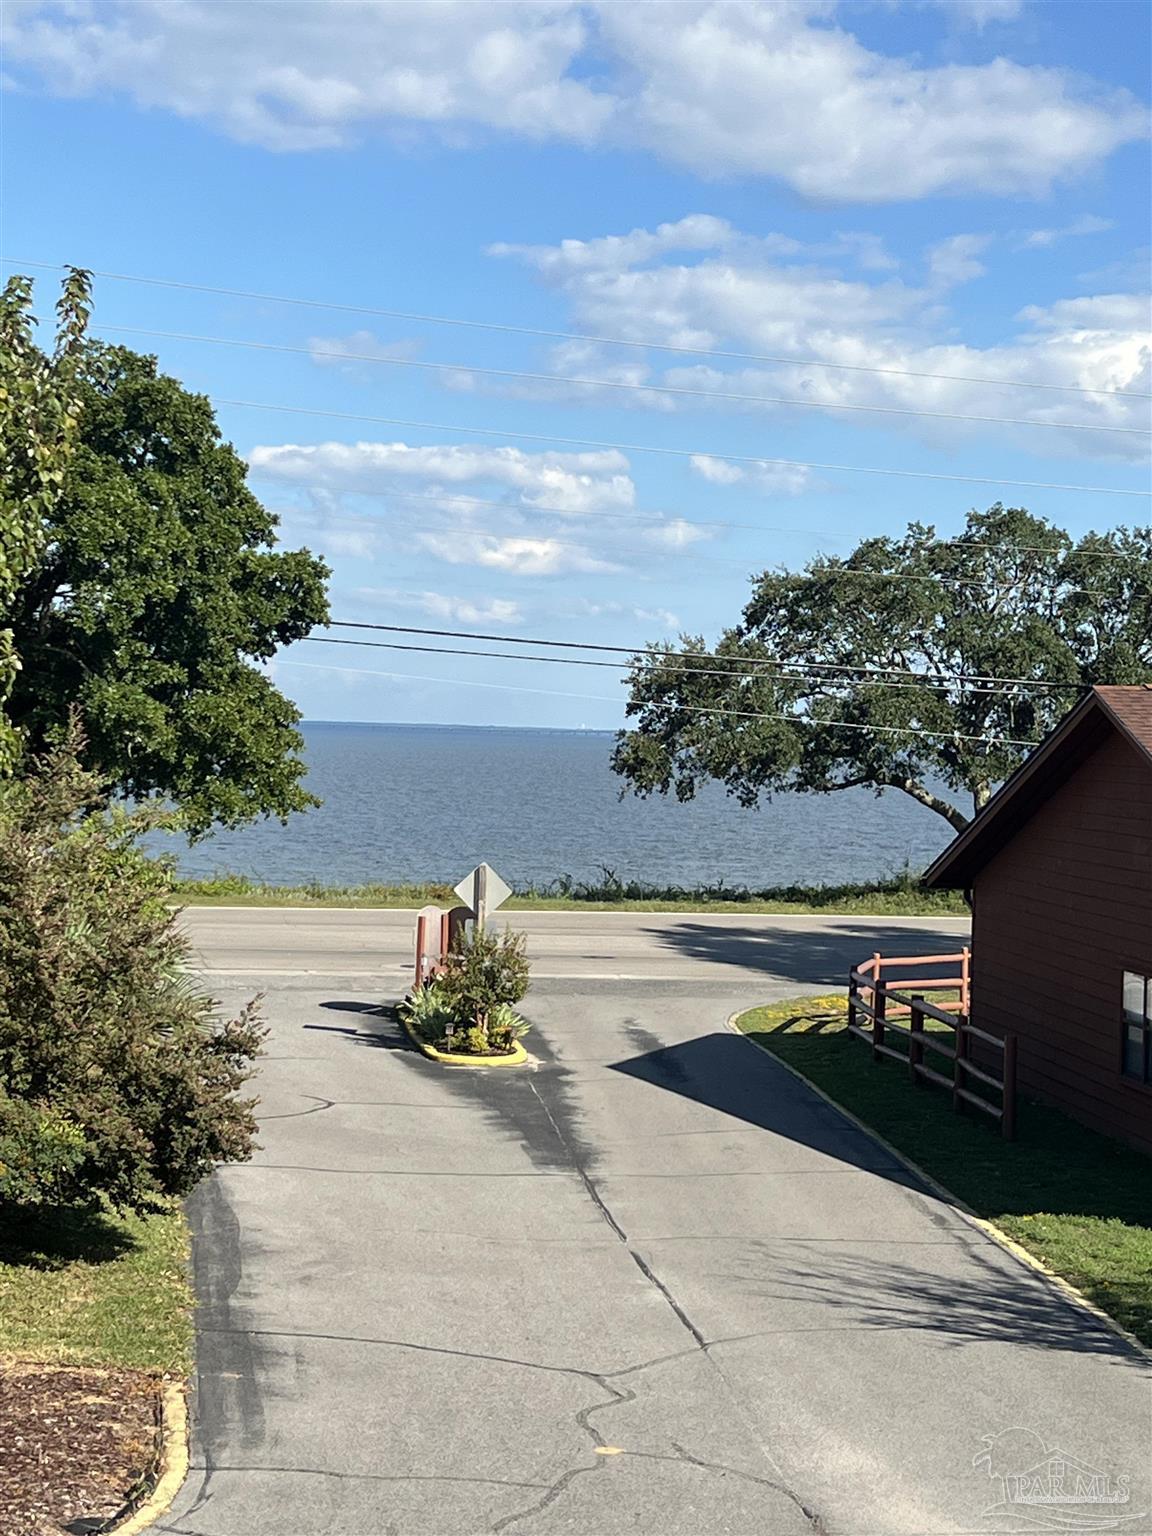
x: 1076, y: 1200
x: 895, y: 898
x: 97, y: 1289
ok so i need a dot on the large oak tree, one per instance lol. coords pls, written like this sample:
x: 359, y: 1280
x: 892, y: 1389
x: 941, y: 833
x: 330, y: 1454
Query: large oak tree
x: 157, y: 594
x: 924, y: 664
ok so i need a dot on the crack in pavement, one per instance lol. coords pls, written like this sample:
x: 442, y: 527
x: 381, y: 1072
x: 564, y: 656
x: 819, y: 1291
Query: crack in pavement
x: 298, y: 1114
x: 377, y: 1477
x: 777, y: 1482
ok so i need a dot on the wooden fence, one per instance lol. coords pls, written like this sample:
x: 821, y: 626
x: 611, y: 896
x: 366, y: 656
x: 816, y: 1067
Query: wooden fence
x: 881, y: 998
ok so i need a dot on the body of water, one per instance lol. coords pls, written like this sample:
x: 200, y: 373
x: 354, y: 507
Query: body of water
x: 416, y: 802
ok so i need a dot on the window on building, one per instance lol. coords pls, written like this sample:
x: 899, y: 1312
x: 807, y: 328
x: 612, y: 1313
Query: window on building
x: 1137, y: 1027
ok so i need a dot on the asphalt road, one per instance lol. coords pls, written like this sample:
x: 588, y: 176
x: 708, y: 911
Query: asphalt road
x: 698, y: 949
x: 649, y: 1284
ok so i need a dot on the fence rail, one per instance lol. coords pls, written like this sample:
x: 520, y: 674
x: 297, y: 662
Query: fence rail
x: 873, y: 997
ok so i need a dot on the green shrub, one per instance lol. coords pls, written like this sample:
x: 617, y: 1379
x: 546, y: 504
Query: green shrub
x: 505, y: 1027
x: 484, y: 970
x: 40, y: 1152
x: 429, y: 1013
x: 103, y: 1033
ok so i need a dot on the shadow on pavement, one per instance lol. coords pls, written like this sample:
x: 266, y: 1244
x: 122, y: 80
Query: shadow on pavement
x: 1002, y: 1303
x: 991, y: 1303
x: 806, y: 955
x: 721, y: 1071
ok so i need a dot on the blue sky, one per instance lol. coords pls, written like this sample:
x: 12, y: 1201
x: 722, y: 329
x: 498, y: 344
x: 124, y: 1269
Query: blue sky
x: 954, y: 187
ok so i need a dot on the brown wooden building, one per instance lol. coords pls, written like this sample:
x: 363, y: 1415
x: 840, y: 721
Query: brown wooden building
x: 1059, y: 863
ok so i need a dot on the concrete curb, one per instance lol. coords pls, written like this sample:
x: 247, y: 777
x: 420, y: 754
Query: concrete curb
x: 171, y: 1465
x: 514, y: 1058
x: 981, y: 1223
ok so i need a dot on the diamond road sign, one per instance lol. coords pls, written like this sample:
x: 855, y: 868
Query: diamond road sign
x: 483, y: 891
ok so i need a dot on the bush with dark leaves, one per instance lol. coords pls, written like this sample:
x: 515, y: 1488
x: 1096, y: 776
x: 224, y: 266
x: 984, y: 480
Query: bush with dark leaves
x: 116, y: 1078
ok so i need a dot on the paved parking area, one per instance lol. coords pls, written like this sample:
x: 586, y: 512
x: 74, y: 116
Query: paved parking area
x: 648, y: 1284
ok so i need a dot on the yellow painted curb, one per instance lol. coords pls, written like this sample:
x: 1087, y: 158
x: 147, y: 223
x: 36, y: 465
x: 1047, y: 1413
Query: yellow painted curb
x: 171, y: 1464
x: 989, y: 1228
x: 513, y: 1058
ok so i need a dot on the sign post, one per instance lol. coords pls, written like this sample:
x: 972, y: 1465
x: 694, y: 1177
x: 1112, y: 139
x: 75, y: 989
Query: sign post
x: 483, y: 891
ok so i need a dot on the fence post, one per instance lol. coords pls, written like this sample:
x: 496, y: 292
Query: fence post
x: 1008, y: 1096
x: 966, y: 982
x: 853, y: 988
x: 880, y: 1007
x: 418, y: 979
x: 958, y: 1078
x: 915, y: 1043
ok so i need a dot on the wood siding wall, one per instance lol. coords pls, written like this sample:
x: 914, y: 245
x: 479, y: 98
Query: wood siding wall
x: 1059, y: 914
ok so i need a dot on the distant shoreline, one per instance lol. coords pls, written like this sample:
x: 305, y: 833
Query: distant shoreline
x: 423, y: 725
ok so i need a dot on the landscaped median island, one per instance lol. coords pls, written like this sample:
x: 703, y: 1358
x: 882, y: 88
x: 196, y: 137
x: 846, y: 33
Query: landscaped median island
x: 1075, y: 1200
x: 464, y: 1015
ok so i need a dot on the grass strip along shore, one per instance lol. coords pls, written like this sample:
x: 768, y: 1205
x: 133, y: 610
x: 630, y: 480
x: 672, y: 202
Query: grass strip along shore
x: 1077, y: 1201
x: 900, y: 896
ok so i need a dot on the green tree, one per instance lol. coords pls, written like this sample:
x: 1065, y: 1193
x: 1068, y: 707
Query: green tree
x: 157, y: 593
x: 886, y: 668
x: 39, y: 413
x: 116, y: 1078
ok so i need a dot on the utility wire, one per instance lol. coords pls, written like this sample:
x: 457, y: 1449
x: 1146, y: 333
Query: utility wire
x: 780, y: 669
x: 679, y: 453
x: 659, y: 651
x: 610, y: 341
x: 702, y: 709
x: 622, y: 384
x: 665, y: 520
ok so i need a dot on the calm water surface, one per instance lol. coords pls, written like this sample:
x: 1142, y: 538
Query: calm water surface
x: 417, y: 802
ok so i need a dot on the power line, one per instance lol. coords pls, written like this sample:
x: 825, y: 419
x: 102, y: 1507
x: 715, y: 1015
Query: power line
x: 679, y: 453
x: 621, y: 384
x: 612, y: 341
x: 653, y: 650
x: 782, y: 669
x: 665, y: 520
x: 702, y: 709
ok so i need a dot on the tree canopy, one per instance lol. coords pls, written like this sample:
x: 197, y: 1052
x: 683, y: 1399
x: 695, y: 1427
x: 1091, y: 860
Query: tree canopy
x: 925, y: 664
x: 157, y: 592
x: 39, y: 415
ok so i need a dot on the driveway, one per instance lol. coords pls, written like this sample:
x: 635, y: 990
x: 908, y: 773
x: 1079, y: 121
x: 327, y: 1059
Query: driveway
x: 649, y: 1284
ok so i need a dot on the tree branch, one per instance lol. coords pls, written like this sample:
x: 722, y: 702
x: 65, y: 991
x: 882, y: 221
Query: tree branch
x: 955, y: 817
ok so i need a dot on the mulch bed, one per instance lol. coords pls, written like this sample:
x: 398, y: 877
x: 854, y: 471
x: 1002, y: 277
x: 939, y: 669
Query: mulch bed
x: 75, y: 1445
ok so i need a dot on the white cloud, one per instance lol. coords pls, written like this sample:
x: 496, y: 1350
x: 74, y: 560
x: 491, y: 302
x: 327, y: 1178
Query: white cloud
x: 954, y: 261
x: 568, y: 482
x: 443, y: 605
x: 742, y: 87
x: 980, y: 12
x: 716, y: 471
x: 769, y: 89
x: 773, y: 479
x: 584, y: 607
x: 346, y: 352
x: 518, y: 556
x: 676, y: 533
x: 1041, y: 239
x: 739, y: 299
x: 696, y: 232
